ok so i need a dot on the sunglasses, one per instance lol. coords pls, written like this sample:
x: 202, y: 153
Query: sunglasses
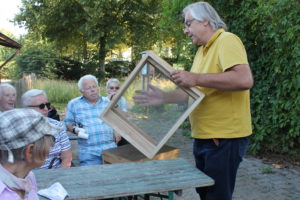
x: 114, y: 88
x: 42, y: 106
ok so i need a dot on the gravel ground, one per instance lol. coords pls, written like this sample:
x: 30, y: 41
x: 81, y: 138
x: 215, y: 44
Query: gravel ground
x: 256, y: 180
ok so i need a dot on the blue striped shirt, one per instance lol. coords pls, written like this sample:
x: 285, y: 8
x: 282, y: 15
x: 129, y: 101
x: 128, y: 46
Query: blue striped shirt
x: 62, y: 143
x: 101, y: 135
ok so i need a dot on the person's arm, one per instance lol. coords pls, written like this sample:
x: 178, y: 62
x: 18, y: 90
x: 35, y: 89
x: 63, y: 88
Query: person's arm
x: 66, y: 158
x: 156, y: 96
x: 66, y: 152
x: 238, y: 77
x: 69, y: 118
x: 70, y: 128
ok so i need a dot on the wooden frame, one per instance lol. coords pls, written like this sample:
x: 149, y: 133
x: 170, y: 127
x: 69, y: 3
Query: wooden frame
x: 118, y: 120
x: 8, y: 42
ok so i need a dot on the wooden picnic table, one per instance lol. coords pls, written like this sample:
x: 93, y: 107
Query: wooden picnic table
x: 124, y: 179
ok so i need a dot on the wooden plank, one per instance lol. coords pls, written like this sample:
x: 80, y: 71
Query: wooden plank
x: 129, y: 153
x: 133, y: 178
x: 130, y: 133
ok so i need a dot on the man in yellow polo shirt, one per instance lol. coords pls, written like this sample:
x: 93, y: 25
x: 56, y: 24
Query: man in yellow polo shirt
x: 221, y: 123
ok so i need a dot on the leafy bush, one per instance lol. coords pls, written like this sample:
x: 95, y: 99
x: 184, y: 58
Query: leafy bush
x: 118, y: 68
x: 270, y: 31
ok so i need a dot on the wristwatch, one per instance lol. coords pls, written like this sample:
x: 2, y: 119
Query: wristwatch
x: 73, y: 130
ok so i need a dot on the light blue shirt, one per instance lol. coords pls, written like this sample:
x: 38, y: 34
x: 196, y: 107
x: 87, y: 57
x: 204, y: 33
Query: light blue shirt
x: 101, y: 135
x: 122, y: 104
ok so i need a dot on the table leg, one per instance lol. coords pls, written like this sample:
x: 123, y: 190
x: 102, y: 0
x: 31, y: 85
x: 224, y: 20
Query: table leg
x: 171, y: 196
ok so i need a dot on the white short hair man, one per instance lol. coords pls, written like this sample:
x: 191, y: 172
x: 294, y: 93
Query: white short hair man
x: 83, y: 115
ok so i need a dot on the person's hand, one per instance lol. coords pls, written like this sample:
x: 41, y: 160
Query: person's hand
x: 117, y: 138
x: 111, y: 95
x: 184, y: 78
x: 153, y: 97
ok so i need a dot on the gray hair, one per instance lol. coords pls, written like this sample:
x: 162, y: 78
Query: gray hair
x: 26, y: 97
x: 6, y: 85
x: 86, y: 77
x: 202, y: 11
x: 40, y: 150
x: 112, y: 80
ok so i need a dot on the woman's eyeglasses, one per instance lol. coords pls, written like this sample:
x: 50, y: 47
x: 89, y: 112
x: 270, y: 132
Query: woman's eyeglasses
x: 42, y: 106
x: 114, y: 88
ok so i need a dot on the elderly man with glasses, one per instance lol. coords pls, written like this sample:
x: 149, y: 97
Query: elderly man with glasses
x: 60, y: 155
x: 83, y: 118
x: 221, y: 123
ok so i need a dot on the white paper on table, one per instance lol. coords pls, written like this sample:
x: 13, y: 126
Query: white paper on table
x: 54, y: 192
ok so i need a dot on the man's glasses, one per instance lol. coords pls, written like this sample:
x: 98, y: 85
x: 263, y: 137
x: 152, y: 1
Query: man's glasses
x: 91, y: 87
x: 42, y: 106
x: 114, y: 88
x: 188, y: 23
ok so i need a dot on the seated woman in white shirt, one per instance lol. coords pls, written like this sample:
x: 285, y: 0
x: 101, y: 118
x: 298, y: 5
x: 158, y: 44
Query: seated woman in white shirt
x: 112, y: 86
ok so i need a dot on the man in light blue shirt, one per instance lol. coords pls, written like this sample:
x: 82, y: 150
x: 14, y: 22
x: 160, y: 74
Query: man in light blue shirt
x: 83, y: 116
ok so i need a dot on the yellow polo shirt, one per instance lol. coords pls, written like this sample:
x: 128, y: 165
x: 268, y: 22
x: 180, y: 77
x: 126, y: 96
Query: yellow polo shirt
x: 221, y: 114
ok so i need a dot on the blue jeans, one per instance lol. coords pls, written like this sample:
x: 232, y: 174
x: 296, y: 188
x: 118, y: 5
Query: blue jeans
x: 87, y: 159
x: 220, y: 163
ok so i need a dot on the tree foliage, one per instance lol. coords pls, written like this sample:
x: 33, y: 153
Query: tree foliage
x: 78, y: 27
x: 171, y: 34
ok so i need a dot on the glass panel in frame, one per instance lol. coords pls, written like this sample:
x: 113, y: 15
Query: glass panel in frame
x: 149, y: 127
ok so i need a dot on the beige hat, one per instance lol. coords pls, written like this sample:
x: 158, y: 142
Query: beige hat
x: 20, y: 127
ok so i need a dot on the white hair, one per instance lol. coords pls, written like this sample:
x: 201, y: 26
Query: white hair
x: 26, y: 97
x: 86, y: 77
x: 6, y: 85
x: 112, y: 80
x: 202, y: 11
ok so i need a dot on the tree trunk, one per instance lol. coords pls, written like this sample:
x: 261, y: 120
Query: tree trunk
x: 102, y: 53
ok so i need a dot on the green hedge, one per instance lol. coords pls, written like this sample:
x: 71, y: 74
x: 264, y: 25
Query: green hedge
x: 270, y: 31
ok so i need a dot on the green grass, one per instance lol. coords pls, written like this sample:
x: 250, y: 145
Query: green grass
x: 60, y: 92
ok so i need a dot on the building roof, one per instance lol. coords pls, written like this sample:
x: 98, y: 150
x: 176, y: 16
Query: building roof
x: 8, y: 42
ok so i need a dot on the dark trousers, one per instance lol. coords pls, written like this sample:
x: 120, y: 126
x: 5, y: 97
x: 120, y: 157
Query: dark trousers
x: 221, y: 163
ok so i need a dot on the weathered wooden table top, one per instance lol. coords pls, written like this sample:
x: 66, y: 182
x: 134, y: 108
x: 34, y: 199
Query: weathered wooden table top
x: 125, y: 179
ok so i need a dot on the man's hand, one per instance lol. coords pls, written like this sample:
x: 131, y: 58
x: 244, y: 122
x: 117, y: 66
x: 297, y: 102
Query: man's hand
x: 118, y: 138
x: 152, y: 97
x: 111, y: 96
x: 184, y: 78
